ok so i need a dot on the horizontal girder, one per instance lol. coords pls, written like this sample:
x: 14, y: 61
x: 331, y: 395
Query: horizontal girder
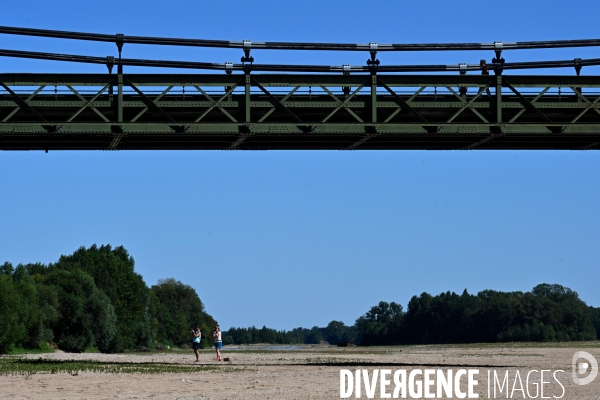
x: 303, y: 111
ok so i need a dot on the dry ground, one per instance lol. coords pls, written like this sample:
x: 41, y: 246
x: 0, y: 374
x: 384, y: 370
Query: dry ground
x: 312, y: 373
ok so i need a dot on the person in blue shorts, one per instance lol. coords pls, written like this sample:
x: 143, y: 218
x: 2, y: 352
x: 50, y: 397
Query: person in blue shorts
x: 196, y: 342
x: 218, y: 342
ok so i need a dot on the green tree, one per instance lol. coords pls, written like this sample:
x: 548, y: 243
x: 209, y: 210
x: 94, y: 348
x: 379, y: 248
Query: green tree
x: 596, y: 320
x: 179, y: 309
x: 113, y: 272
x: 7, y: 269
x: 382, y: 324
x: 313, y: 336
x: 86, y: 315
x: 337, y: 331
x: 19, y: 315
x: 29, y: 313
x: 11, y: 328
x: 47, y: 303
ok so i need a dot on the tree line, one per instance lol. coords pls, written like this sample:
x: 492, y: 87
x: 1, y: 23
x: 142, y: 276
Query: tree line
x: 94, y: 298
x: 334, y: 332
x: 547, y: 313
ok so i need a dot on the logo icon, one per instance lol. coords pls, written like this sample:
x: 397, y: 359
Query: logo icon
x: 580, y: 368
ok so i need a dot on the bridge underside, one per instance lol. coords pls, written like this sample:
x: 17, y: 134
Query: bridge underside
x: 284, y: 141
x: 308, y: 112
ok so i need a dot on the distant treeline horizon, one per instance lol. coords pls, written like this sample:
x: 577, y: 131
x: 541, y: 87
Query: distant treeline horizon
x: 93, y: 298
x: 549, y: 313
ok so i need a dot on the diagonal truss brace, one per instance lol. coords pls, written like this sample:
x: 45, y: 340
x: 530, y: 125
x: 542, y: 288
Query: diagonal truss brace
x: 87, y: 103
x: 468, y: 104
x: 149, y: 103
x: 21, y: 103
x: 591, y: 105
x: 276, y: 103
x: 343, y: 104
x: 13, y: 112
x: 362, y: 141
x: 402, y: 103
x: 155, y: 101
x: 271, y: 111
x: 525, y: 102
x: 539, y: 96
x: 410, y: 99
x: 239, y: 141
x: 116, y: 140
x: 590, y: 146
x: 216, y: 103
x: 483, y: 141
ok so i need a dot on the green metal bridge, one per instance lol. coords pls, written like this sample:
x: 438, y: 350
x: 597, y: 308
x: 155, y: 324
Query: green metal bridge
x: 251, y: 106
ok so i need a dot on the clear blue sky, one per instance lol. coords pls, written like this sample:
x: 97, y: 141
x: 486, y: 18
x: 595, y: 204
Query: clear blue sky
x: 289, y: 239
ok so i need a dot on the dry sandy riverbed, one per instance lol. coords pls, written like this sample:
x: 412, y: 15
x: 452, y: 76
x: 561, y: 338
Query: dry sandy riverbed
x: 311, y: 373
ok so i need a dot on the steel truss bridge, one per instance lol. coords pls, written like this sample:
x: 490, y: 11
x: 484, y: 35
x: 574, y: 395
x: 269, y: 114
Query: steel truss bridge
x: 251, y: 106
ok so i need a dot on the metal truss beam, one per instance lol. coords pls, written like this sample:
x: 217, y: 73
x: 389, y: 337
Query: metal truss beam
x: 295, y: 112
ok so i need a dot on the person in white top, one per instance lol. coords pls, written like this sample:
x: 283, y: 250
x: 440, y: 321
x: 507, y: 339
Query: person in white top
x: 218, y: 341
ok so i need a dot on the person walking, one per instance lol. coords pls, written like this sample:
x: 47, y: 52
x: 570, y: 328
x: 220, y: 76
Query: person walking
x: 196, y: 342
x: 218, y: 341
